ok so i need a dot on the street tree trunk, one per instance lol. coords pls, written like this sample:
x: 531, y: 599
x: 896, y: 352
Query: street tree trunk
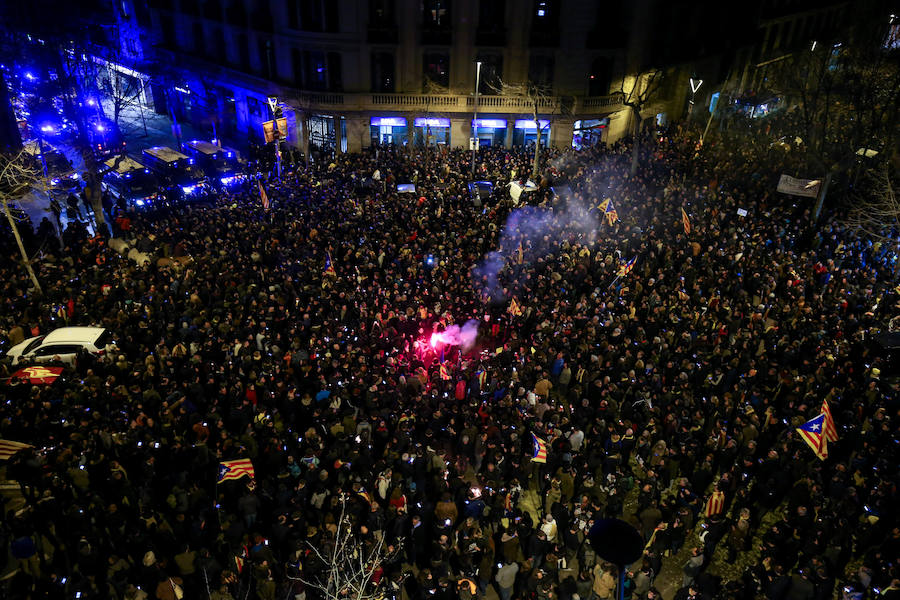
x: 635, y: 151
x: 25, y: 259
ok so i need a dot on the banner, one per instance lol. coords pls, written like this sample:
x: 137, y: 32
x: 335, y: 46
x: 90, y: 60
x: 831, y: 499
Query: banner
x: 799, y: 187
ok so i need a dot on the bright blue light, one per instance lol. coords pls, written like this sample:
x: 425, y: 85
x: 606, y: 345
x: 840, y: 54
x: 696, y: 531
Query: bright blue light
x: 146, y: 170
x: 190, y: 161
x: 188, y: 189
x: 91, y: 102
x: 139, y: 202
x: 73, y: 176
x: 127, y: 175
x: 230, y: 154
x: 226, y: 180
x: 47, y: 128
x: 54, y: 181
x: 29, y: 76
x: 101, y: 128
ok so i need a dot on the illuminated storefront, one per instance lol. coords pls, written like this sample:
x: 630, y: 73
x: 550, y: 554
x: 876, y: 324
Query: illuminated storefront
x: 589, y: 132
x: 431, y: 131
x: 526, y: 132
x: 388, y: 130
x: 491, y: 132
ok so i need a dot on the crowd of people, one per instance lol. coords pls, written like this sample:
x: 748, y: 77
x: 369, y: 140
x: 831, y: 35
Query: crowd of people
x: 299, y: 337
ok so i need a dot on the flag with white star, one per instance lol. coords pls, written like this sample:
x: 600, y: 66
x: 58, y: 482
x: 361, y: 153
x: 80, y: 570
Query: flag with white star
x: 813, y: 434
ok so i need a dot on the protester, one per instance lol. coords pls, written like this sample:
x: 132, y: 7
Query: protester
x: 299, y: 337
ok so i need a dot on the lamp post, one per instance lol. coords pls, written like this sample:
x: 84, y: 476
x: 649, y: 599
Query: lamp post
x: 475, y: 117
x: 695, y: 85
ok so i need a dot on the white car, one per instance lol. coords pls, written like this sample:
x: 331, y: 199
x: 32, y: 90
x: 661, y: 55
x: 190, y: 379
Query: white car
x: 61, y: 344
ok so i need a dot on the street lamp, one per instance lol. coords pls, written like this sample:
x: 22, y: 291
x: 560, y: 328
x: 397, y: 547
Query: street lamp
x: 475, y: 117
x: 695, y: 85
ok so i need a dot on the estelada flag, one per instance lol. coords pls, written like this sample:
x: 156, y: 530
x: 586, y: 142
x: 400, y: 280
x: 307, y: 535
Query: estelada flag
x: 482, y: 378
x: 813, y: 434
x: 235, y: 469
x: 715, y: 505
x: 685, y: 221
x: 239, y: 564
x: 514, y: 308
x: 609, y: 211
x: 540, y: 450
x: 445, y: 374
x: 830, y: 428
x: 625, y: 268
x: 8, y: 448
x: 329, y: 267
x: 38, y: 375
x: 262, y: 195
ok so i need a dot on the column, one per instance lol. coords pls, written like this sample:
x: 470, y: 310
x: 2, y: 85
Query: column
x: 357, y: 133
x: 510, y: 128
x: 460, y: 132
x: 561, y: 131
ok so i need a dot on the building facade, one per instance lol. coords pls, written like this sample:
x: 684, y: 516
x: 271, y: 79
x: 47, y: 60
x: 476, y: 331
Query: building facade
x: 350, y: 73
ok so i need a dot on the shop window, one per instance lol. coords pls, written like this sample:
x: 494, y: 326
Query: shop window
x: 253, y: 107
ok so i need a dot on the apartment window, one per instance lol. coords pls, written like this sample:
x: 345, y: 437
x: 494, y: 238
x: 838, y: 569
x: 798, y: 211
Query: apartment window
x: 383, y: 72
x: 491, y: 15
x: 167, y: 24
x: 381, y: 13
x: 199, y: 39
x: 293, y: 14
x: 190, y: 7
x: 253, y: 107
x: 436, y: 67
x: 436, y: 14
x: 491, y: 72
x: 316, y: 70
x: 243, y: 45
x: 236, y: 13
x: 540, y: 70
x: 218, y: 44
x: 600, y: 77
x: 212, y: 10
x: 545, y: 23
x: 267, y: 58
x: 317, y: 15
x: 297, y: 63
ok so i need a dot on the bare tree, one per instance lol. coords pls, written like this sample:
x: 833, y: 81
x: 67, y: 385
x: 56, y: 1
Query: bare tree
x: 539, y: 100
x: 432, y: 90
x: 876, y: 211
x: 347, y: 562
x: 18, y: 175
x: 642, y: 91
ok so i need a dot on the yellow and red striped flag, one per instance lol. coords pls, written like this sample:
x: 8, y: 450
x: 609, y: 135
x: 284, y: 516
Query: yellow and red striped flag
x: 830, y: 427
x: 262, y: 195
x: 812, y: 434
x: 715, y: 505
x: 685, y: 221
x: 8, y: 448
x: 514, y: 308
x: 540, y: 450
x: 445, y: 374
x: 235, y: 469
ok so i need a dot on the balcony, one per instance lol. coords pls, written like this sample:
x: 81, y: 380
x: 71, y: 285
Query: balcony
x: 452, y: 103
x: 436, y: 36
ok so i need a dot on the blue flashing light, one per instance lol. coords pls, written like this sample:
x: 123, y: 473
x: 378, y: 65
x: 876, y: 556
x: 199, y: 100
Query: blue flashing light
x: 127, y: 175
x: 101, y: 128
x: 73, y: 176
x: 227, y: 180
x: 429, y: 260
x: 230, y: 154
x: 29, y: 76
x: 54, y: 181
x: 91, y: 102
x: 47, y: 128
x: 139, y: 202
x: 190, y: 161
x: 146, y: 170
x: 188, y: 189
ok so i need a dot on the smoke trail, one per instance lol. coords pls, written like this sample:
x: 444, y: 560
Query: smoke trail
x: 464, y: 336
x: 538, y: 231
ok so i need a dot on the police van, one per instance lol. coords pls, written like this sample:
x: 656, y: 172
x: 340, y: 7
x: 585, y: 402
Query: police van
x: 219, y: 164
x: 130, y: 181
x: 174, y: 169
